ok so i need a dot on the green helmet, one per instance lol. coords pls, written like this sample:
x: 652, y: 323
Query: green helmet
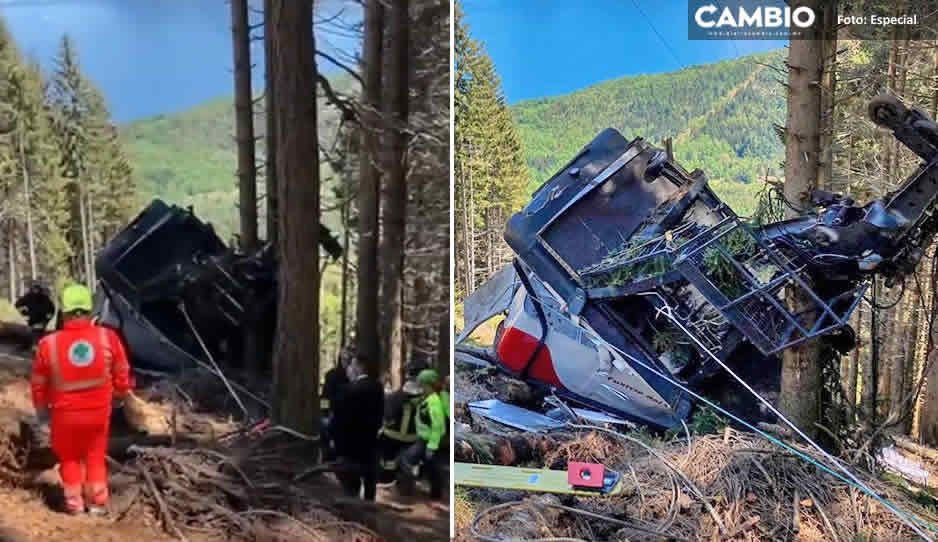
x: 428, y: 377
x: 76, y: 297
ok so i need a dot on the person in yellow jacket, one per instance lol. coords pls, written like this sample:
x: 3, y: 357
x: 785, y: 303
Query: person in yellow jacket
x: 431, y: 421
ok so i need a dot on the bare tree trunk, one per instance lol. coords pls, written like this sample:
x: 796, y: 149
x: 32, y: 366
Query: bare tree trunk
x: 270, y: 168
x: 343, y: 330
x: 828, y: 89
x: 467, y: 254
x: 870, y: 364
x: 247, y: 165
x: 904, y: 321
x: 27, y: 196
x: 934, y: 96
x: 296, y: 352
x: 83, y: 223
x: 92, y: 277
x: 367, y: 339
x: 471, y: 244
x: 442, y: 344
x: 854, y: 363
x: 11, y: 261
x: 393, y: 212
x: 244, y: 124
x: 801, y: 372
x: 928, y: 414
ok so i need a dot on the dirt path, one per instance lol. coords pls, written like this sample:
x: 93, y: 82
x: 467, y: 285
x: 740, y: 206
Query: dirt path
x: 25, y: 516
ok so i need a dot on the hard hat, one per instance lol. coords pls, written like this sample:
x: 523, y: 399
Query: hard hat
x: 76, y: 297
x: 428, y: 377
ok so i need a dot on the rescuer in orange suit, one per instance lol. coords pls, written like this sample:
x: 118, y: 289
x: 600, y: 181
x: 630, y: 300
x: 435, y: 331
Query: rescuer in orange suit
x: 78, y: 371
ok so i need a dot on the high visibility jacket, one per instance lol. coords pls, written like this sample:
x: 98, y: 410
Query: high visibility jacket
x: 83, y: 366
x: 444, y: 397
x: 400, y: 410
x: 431, y: 421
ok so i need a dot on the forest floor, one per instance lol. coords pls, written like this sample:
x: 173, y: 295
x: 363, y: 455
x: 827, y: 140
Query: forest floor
x: 201, y: 490
x: 716, y: 483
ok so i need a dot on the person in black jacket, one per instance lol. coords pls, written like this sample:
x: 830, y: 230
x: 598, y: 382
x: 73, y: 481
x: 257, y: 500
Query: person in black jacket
x: 36, y: 306
x: 335, y: 379
x: 357, y: 416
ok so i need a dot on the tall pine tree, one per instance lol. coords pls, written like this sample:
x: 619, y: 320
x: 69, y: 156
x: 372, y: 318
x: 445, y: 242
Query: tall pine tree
x: 491, y: 174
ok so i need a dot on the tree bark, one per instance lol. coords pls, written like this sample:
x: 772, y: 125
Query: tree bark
x: 934, y: 96
x: 871, y: 364
x: 853, y: 366
x: 11, y: 260
x: 83, y: 224
x: 801, y: 372
x: 394, y: 206
x: 27, y: 196
x: 828, y: 88
x: 244, y: 124
x: 89, y: 213
x: 296, y: 352
x: 270, y: 167
x: 247, y: 166
x: 500, y: 449
x: 343, y: 329
x: 442, y: 344
x: 367, y: 302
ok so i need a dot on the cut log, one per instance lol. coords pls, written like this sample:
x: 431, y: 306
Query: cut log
x: 499, y: 449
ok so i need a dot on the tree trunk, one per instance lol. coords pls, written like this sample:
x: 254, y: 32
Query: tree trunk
x: 442, y: 344
x: 247, y: 165
x: 500, y: 449
x: 922, y: 340
x: 244, y: 125
x: 828, y: 88
x: 934, y: 96
x: 904, y: 321
x: 466, y: 267
x: 89, y: 213
x: 853, y: 366
x: 367, y: 301
x: 471, y: 242
x: 343, y: 329
x: 296, y: 352
x: 83, y: 224
x: 801, y: 372
x: 270, y: 168
x: 394, y: 208
x: 871, y: 363
x: 11, y: 261
x: 27, y: 195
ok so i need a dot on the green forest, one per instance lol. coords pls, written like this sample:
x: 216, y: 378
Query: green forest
x: 67, y: 184
x: 187, y: 157
x: 721, y: 117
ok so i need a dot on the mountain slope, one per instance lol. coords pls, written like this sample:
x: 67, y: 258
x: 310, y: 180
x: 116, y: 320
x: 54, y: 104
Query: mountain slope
x: 720, y: 115
x: 189, y: 157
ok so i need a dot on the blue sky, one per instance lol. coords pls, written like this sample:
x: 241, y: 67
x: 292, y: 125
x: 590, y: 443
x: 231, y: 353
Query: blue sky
x: 154, y: 56
x: 551, y: 47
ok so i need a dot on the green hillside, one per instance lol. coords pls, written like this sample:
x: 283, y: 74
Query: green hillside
x: 720, y: 115
x: 189, y: 157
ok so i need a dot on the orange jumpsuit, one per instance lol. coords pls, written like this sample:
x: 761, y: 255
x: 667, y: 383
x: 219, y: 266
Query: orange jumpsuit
x: 76, y: 374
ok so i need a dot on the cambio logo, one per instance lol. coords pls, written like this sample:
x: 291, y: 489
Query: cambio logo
x: 710, y: 16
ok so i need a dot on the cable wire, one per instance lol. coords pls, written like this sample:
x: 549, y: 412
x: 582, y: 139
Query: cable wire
x: 850, y: 479
x: 655, y: 30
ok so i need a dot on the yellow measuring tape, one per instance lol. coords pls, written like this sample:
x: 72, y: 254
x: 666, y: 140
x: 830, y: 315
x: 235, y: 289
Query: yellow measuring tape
x: 523, y: 479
